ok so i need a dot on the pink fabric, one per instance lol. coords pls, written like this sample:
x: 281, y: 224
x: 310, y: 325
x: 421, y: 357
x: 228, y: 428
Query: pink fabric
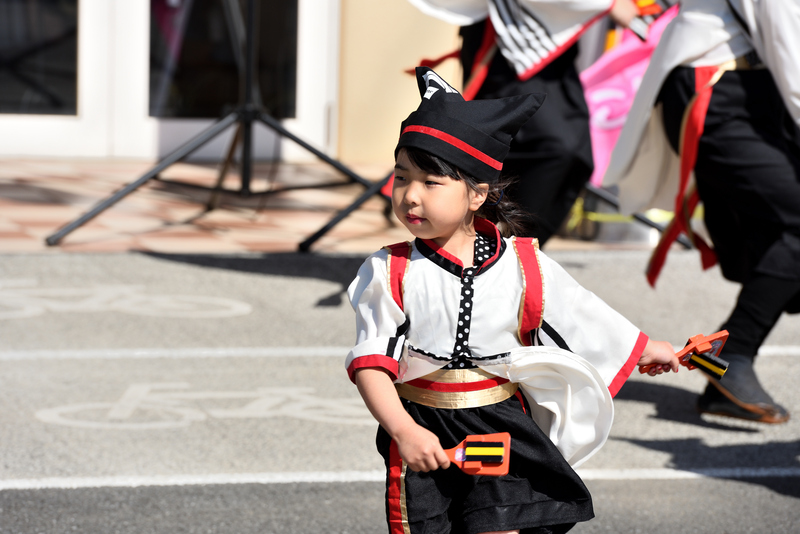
x: 172, y: 23
x: 610, y: 85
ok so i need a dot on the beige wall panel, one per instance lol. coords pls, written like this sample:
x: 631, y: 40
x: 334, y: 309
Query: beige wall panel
x: 379, y: 40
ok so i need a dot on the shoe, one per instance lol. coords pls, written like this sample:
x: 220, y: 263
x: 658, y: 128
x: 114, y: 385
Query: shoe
x: 739, y: 394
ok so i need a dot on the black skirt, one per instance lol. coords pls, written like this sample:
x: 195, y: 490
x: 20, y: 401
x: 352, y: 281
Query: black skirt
x: 541, y: 492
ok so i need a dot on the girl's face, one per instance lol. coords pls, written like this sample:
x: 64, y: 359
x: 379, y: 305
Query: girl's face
x: 433, y: 207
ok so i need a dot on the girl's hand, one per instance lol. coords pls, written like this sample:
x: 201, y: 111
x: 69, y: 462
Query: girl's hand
x: 420, y: 448
x: 661, y: 356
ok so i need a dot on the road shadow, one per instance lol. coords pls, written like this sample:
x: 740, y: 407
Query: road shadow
x: 340, y: 270
x: 30, y: 193
x: 678, y: 405
x: 693, y: 454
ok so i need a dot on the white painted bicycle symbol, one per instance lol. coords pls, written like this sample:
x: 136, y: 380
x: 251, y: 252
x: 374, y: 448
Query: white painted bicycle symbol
x: 171, y: 405
x: 22, y: 298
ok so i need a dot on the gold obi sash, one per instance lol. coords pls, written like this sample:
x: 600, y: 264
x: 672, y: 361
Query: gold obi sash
x: 457, y: 388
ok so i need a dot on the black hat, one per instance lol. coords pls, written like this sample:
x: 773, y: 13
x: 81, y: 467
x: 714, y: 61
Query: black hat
x: 473, y: 135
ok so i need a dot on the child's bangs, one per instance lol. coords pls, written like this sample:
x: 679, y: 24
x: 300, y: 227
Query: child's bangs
x: 428, y: 163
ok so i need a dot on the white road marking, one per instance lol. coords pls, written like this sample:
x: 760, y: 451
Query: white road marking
x: 182, y: 353
x: 681, y: 474
x: 321, y: 477
x: 243, y: 352
x: 159, y: 405
x: 22, y: 299
x: 779, y: 350
x: 192, y: 480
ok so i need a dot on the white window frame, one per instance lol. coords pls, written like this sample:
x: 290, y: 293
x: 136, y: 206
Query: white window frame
x: 87, y: 133
x: 113, y: 93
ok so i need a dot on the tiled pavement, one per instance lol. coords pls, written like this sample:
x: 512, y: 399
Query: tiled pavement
x: 39, y: 196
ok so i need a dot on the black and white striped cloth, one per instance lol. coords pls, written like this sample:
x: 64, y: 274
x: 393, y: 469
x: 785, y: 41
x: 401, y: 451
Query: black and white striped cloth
x: 530, y: 33
x: 522, y: 38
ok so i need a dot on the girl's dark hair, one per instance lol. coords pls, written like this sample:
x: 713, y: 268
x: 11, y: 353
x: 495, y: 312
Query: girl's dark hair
x: 509, y: 216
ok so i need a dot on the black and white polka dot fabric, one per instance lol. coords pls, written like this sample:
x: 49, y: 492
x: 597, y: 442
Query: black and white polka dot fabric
x: 484, y: 249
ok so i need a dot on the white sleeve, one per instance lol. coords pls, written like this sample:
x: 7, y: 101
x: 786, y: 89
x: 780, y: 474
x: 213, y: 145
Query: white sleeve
x: 554, y: 14
x: 591, y: 7
x: 458, y: 12
x: 562, y: 15
x: 577, y: 320
x: 778, y: 42
x: 379, y: 319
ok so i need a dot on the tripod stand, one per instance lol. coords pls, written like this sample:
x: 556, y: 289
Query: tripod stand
x: 248, y: 113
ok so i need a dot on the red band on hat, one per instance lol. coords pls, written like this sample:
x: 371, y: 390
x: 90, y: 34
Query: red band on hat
x: 458, y: 143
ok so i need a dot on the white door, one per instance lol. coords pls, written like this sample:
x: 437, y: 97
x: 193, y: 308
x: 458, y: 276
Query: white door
x: 81, y: 128
x: 111, y: 113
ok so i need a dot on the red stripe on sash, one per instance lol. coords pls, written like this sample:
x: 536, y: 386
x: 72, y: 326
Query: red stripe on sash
x: 687, y: 199
x: 399, y: 256
x: 395, y: 493
x: 457, y: 387
x: 532, y: 305
x: 481, y: 62
x: 518, y: 394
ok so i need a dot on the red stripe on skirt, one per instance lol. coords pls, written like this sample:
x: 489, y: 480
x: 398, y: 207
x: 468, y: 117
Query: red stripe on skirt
x: 394, y: 491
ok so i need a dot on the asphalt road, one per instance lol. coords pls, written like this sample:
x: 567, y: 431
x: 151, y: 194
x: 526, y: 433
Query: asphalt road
x: 174, y: 393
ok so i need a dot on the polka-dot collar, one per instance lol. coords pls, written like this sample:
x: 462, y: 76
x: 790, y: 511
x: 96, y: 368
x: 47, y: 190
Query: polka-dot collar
x: 489, y: 247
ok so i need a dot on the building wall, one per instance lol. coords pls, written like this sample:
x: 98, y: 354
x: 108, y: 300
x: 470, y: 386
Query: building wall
x: 379, y: 40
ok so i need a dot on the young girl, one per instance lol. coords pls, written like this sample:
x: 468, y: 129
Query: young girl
x: 466, y: 332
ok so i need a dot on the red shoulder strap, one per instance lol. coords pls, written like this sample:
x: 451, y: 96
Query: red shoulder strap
x: 532, y: 305
x: 396, y: 267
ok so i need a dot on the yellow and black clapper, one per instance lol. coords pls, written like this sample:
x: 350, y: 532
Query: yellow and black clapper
x: 485, y: 454
x: 709, y: 363
x: 702, y: 352
x: 490, y: 452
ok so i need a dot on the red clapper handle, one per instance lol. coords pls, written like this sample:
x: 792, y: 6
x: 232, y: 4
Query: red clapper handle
x: 482, y: 454
x: 703, y: 352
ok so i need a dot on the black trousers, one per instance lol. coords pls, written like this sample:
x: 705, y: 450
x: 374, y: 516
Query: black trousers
x: 551, y: 156
x: 748, y: 177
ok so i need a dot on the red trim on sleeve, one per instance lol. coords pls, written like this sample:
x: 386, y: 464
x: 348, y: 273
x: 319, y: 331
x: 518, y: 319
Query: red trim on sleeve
x: 629, y: 366
x: 533, y: 288
x: 375, y: 361
x: 456, y: 142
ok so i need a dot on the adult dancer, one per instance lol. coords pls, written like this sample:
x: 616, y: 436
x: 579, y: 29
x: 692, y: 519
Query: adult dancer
x: 716, y: 119
x: 516, y: 47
